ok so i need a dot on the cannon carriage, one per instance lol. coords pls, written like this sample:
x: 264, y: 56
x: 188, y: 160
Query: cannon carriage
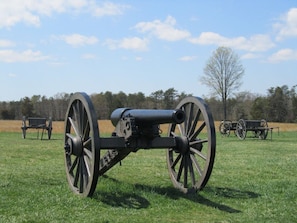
x: 190, y: 142
x: 258, y: 127
x: 241, y: 127
x: 37, y: 123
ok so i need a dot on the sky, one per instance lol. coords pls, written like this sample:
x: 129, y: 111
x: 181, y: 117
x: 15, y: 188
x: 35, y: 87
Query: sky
x: 66, y: 46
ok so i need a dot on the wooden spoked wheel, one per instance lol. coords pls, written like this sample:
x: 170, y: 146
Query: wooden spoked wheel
x: 241, y: 129
x: 24, y: 128
x: 50, y: 128
x: 264, y: 130
x: 190, y: 163
x: 225, y: 128
x: 81, y: 145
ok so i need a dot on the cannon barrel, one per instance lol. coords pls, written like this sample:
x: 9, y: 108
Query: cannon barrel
x: 148, y: 116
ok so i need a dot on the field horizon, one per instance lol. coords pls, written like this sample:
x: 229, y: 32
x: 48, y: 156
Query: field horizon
x: 106, y: 127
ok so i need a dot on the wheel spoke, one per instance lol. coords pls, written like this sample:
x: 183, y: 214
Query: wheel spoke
x: 86, y: 131
x: 183, y: 126
x: 189, y: 118
x: 196, y: 164
x: 195, y: 134
x: 85, y: 124
x: 195, y: 142
x: 76, y: 178
x: 81, y: 170
x: 87, y: 163
x: 181, y: 130
x: 76, y: 116
x: 73, y: 166
x: 87, y: 143
x: 191, y: 170
x: 176, y: 161
x: 186, y: 161
x: 69, y: 135
x: 194, y: 124
x: 88, y: 153
x: 74, y: 126
x: 180, y: 170
x: 200, y: 154
x: 79, y: 113
x: 173, y: 134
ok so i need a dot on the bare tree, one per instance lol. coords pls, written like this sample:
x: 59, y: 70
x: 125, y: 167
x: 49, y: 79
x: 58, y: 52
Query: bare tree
x: 223, y: 73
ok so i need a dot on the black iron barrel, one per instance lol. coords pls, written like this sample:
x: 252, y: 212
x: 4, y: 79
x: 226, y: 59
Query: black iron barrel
x: 148, y: 116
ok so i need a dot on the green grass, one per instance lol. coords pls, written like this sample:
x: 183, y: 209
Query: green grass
x: 252, y: 181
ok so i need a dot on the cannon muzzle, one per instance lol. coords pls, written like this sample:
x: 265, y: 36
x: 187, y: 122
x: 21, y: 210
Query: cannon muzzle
x: 148, y: 116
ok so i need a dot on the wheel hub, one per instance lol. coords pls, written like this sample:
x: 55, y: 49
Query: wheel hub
x: 182, y: 144
x: 75, y: 146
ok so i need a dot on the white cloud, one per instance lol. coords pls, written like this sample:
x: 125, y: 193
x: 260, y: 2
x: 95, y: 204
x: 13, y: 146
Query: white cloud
x: 88, y: 56
x: 255, y: 43
x: 107, y: 9
x: 134, y: 43
x: 12, y: 75
x: 10, y: 56
x: 287, y: 26
x: 250, y: 56
x: 187, y: 58
x: 78, y: 40
x: 30, y: 11
x: 283, y: 55
x: 6, y: 43
x: 163, y: 30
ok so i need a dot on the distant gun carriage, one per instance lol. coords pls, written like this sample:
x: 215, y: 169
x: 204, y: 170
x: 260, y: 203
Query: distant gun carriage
x: 190, y: 143
x: 241, y: 127
x: 37, y: 123
x: 258, y: 127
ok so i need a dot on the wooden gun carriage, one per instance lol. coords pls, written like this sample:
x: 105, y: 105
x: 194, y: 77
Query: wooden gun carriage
x: 258, y: 127
x: 241, y: 127
x: 190, y: 143
x: 37, y: 123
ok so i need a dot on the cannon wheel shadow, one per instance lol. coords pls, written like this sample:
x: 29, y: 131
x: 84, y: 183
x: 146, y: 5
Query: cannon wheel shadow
x: 134, y: 201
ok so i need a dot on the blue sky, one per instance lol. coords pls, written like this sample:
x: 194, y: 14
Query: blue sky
x: 50, y: 47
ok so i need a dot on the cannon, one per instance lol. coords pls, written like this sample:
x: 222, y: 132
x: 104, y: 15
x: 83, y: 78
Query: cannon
x: 37, y: 123
x: 258, y: 127
x: 190, y: 143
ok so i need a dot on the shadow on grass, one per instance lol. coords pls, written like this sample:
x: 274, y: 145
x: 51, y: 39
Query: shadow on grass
x: 121, y: 199
x: 134, y: 201
x: 231, y: 193
x: 175, y: 194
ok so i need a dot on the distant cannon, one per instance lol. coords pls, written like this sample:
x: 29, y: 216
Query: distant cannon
x: 37, y: 123
x: 259, y: 127
x: 241, y: 127
x: 190, y: 144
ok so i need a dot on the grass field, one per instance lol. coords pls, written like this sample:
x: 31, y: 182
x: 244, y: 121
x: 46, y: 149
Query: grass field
x: 252, y: 181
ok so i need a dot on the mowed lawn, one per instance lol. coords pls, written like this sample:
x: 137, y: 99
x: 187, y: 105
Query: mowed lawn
x: 252, y: 181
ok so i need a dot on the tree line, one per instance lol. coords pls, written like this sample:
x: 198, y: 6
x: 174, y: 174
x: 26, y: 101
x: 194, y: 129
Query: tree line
x: 279, y: 105
x: 104, y: 103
